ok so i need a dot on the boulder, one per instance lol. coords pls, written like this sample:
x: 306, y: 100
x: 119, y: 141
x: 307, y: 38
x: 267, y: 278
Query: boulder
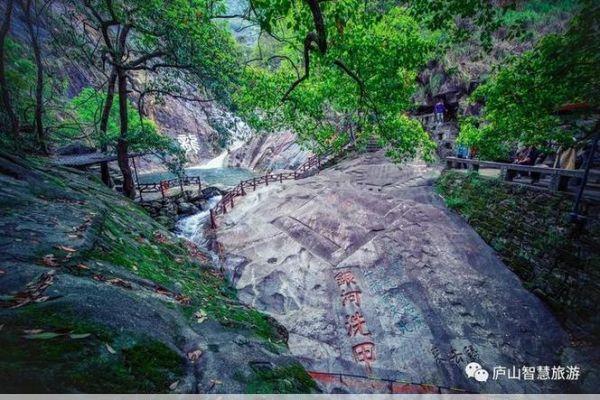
x: 372, y: 275
x: 212, y: 191
x: 185, y: 208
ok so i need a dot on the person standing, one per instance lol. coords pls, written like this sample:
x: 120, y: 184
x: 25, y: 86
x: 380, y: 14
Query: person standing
x: 439, y: 109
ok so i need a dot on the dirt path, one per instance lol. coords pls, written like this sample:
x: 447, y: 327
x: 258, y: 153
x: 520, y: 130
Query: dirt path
x: 373, y: 276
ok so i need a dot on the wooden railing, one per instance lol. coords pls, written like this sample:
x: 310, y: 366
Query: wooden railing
x: 558, y: 178
x: 227, y: 202
x: 164, y: 185
x: 426, y: 119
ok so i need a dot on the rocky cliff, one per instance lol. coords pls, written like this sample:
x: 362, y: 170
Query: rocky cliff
x: 268, y: 152
x: 203, y: 129
x: 460, y: 67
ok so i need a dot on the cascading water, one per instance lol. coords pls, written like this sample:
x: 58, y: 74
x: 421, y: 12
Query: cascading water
x: 217, y: 162
x: 214, y: 172
x: 192, y: 227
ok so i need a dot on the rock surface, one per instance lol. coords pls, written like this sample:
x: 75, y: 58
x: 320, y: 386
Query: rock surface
x: 373, y: 276
x: 96, y: 297
x: 273, y: 151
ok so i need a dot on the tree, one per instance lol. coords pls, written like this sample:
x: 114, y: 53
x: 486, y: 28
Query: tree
x: 522, y: 98
x: 354, y: 76
x: 90, y: 104
x: 173, y: 40
x: 31, y: 12
x: 6, y: 97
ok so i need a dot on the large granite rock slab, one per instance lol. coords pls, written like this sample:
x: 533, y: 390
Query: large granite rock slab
x: 374, y: 277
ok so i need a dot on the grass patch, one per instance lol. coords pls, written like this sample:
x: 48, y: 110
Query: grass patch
x: 289, y: 379
x: 129, y: 241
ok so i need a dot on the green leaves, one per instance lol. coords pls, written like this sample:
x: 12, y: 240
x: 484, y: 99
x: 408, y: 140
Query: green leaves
x: 359, y: 89
x: 142, y: 135
x: 523, y: 97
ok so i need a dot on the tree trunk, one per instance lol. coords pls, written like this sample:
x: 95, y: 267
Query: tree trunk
x: 6, y: 102
x: 110, y: 95
x: 26, y: 5
x: 122, y: 145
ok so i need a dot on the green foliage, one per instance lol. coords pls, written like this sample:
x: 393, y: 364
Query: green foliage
x: 459, y: 20
x: 289, y: 379
x: 523, y: 22
x: 142, y: 135
x: 523, y: 97
x: 21, y: 80
x: 361, y: 87
x: 489, y: 146
x: 20, y: 77
x: 194, y: 49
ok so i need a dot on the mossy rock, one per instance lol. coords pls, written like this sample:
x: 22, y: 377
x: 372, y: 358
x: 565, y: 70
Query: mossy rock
x: 120, y: 314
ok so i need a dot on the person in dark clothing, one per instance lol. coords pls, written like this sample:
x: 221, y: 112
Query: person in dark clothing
x: 528, y: 156
x: 439, y: 109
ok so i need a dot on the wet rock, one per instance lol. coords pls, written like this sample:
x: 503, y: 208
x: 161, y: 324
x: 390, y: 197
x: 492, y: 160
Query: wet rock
x: 273, y: 151
x: 371, y: 274
x: 184, y: 208
x: 115, y: 291
x: 212, y: 191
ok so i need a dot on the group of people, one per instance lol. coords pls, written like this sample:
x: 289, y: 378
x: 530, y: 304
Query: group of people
x: 569, y: 158
x: 564, y: 158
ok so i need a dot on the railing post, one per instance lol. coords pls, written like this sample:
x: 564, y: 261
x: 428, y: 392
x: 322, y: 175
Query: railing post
x: 231, y: 201
x: 162, y: 189
x: 242, y: 187
x: 507, y: 174
x: 181, y: 187
x: 280, y: 178
x: 267, y: 180
x: 254, y: 183
x: 558, y: 183
x: 199, y: 187
x: 224, y: 208
x: 213, y: 221
x: 472, y: 167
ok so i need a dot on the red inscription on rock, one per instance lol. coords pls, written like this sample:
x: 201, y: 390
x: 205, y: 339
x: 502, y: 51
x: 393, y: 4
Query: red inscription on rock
x: 364, y: 353
x: 356, y: 324
x: 351, y: 296
x: 345, y: 278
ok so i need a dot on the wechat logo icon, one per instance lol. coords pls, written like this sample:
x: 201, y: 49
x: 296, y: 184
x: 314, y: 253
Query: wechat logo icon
x: 474, y: 370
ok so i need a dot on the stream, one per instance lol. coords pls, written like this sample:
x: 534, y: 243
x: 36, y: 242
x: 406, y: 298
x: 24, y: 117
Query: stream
x: 192, y: 227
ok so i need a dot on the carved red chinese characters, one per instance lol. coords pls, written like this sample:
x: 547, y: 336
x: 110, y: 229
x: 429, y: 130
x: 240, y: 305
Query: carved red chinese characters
x: 345, y: 278
x: 356, y: 324
x: 364, y: 353
x: 351, y: 296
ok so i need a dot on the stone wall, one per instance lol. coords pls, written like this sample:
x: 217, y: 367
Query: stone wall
x: 531, y: 232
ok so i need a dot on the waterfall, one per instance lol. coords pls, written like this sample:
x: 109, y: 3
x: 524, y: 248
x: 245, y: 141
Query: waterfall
x: 192, y: 227
x: 217, y: 162
x: 220, y: 160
